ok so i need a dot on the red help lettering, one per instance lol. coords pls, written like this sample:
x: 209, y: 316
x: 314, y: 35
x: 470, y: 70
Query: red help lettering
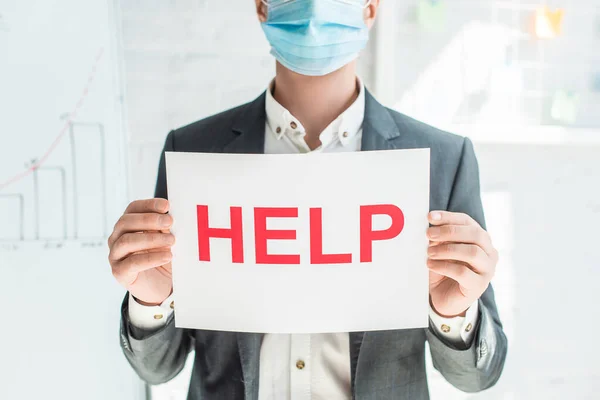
x: 234, y: 233
x: 368, y: 235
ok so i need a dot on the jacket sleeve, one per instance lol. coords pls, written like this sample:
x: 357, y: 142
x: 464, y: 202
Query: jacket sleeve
x: 156, y: 356
x: 478, y: 367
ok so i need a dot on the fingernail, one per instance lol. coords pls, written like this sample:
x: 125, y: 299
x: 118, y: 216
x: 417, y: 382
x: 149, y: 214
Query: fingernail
x: 436, y: 216
x: 165, y: 220
x: 433, y: 233
x: 160, y: 204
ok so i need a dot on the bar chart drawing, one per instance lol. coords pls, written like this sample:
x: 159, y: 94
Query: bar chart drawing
x: 7, y: 202
x: 65, y: 200
x: 77, y: 157
x: 47, y: 172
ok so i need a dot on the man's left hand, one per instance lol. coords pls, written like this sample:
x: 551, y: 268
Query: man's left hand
x: 461, y: 262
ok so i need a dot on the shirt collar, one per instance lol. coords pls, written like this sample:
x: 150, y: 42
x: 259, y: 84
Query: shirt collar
x: 346, y: 126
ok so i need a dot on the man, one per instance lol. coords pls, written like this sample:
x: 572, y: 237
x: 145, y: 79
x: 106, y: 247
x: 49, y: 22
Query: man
x: 317, y: 104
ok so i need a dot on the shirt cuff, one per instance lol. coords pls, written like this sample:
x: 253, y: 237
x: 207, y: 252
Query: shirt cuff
x: 458, y: 330
x: 149, y: 317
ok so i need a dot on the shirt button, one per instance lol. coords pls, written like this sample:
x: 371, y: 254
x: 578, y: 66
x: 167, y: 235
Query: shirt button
x: 293, y: 124
x: 445, y: 328
x: 158, y: 316
x: 278, y: 130
x: 300, y: 364
x: 172, y: 305
x: 345, y: 134
x: 469, y: 327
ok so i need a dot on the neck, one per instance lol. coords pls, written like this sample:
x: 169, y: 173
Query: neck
x: 316, y: 100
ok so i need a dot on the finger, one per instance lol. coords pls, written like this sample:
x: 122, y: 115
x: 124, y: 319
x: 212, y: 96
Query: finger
x: 470, y: 254
x: 127, y: 270
x: 140, y: 222
x: 471, y: 234
x: 133, y: 242
x: 455, y: 271
x: 157, y: 205
x: 450, y: 218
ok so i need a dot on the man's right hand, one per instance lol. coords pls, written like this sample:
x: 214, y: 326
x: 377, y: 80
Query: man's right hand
x: 140, y: 251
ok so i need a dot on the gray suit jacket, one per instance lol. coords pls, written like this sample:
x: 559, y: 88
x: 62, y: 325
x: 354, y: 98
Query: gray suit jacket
x: 384, y: 364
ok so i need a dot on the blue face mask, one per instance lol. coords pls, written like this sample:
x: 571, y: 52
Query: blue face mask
x: 315, y: 37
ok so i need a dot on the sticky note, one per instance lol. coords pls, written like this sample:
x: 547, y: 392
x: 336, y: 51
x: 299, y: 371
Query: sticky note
x: 564, y: 106
x: 431, y: 15
x: 548, y: 23
x: 596, y: 82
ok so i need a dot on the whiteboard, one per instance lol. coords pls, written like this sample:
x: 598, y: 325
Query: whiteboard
x: 62, y: 185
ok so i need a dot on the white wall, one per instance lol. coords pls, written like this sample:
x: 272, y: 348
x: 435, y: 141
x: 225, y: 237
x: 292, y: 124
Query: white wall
x: 186, y: 60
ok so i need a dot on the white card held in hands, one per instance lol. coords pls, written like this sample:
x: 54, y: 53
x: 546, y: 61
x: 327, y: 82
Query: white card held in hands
x: 307, y: 243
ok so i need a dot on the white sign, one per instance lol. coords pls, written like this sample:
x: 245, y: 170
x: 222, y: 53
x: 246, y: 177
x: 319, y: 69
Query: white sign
x: 306, y: 243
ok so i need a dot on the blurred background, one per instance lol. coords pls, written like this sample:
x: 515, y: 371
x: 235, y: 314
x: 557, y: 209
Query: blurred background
x: 89, y: 90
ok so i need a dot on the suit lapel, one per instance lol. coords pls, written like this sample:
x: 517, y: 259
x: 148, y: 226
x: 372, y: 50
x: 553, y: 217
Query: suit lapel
x: 379, y: 128
x: 248, y: 129
x: 249, y: 348
x: 356, y: 341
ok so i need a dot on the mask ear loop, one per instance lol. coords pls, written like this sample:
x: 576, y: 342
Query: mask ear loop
x: 267, y: 4
x: 354, y: 3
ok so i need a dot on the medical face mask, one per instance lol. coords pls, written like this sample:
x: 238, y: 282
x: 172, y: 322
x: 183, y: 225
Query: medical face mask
x: 315, y: 37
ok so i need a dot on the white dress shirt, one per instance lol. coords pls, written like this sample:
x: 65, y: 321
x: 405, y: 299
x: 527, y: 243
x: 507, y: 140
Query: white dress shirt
x: 310, y: 366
